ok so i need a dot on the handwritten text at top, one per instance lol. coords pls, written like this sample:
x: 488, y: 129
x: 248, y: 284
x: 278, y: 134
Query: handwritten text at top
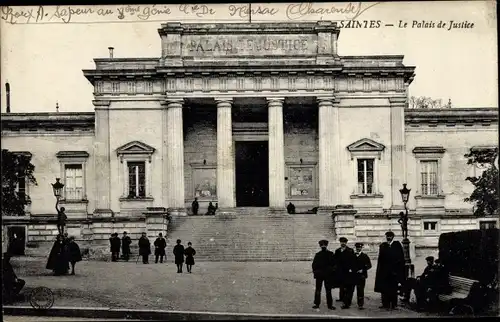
x: 90, y: 14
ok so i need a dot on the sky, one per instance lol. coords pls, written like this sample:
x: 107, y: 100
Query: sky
x: 43, y: 60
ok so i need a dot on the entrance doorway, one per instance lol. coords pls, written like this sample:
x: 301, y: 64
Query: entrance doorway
x: 16, y: 236
x: 252, y: 173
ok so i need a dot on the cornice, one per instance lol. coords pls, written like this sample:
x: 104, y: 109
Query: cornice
x: 53, y: 122
x: 451, y: 116
x: 250, y: 28
x: 71, y: 122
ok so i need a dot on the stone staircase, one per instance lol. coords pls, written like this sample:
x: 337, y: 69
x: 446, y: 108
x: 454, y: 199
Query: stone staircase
x: 252, y: 237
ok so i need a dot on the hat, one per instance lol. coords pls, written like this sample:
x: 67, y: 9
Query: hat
x: 389, y: 234
x: 323, y: 242
x: 429, y: 258
x: 343, y: 240
x: 124, y: 232
x: 358, y: 245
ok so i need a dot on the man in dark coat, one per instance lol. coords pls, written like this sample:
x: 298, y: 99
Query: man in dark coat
x: 11, y: 284
x: 115, y: 243
x: 390, y: 271
x: 126, y: 241
x: 344, y: 257
x: 323, y: 266
x: 144, y: 248
x: 362, y: 264
x: 195, y: 206
x: 74, y: 253
x: 160, y: 245
x: 179, y: 255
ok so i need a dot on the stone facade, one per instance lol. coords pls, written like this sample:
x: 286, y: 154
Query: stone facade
x: 178, y: 119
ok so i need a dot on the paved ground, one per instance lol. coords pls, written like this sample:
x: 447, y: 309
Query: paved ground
x: 27, y: 318
x: 252, y: 287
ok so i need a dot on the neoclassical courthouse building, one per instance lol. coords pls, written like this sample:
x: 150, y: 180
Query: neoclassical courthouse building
x: 251, y: 117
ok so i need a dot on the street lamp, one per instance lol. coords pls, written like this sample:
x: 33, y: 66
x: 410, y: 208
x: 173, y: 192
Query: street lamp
x: 403, y: 221
x: 61, y: 216
x: 57, y: 187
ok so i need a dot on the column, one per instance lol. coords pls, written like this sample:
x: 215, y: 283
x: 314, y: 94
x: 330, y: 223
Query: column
x: 225, y: 157
x: 398, y: 168
x: 175, y: 158
x: 329, y: 162
x: 276, y: 156
x: 164, y: 154
x: 102, y: 160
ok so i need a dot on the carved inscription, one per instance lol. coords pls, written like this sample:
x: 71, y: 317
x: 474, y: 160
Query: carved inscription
x: 255, y: 45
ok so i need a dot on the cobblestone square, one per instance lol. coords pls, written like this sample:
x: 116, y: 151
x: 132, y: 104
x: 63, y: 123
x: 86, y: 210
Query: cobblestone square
x: 236, y: 287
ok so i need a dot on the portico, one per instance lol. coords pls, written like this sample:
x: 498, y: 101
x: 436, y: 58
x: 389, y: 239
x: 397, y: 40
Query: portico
x: 269, y: 138
x: 282, y: 86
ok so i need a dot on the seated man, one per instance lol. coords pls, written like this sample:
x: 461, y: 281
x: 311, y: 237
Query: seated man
x: 427, y: 284
x: 11, y: 285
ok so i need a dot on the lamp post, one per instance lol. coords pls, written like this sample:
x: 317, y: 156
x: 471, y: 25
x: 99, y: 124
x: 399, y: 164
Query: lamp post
x: 61, y: 216
x: 57, y: 188
x: 403, y: 221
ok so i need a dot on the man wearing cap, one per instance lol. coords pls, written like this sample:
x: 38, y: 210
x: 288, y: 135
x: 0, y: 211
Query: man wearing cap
x: 344, y: 257
x: 362, y: 264
x: 390, y: 271
x: 426, y: 283
x: 322, y: 266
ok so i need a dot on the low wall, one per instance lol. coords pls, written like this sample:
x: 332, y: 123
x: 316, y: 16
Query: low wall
x: 92, y: 234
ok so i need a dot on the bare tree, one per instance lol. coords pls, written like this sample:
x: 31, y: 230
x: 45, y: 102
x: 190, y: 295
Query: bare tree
x: 427, y: 102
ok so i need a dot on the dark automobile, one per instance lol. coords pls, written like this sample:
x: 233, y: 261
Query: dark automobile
x: 471, y: 258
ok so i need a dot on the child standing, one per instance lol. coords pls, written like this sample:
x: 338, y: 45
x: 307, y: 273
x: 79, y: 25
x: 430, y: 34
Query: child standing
x: 189, y: 252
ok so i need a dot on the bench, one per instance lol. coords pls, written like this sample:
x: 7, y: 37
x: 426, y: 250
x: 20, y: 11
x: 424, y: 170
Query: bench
x: 464, y: 296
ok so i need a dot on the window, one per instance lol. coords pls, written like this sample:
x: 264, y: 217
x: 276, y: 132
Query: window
x: 21, y: 187
x: 136, y: 176
x: 73, y: 178
x: 429, y: 171
x: 365, y: 176
x: 73, y: 165
x: 22, y: 184
x: 430, y: 226
x: 487, y: 224
x: 366, y: 155
x: 136, y: 179
x: 428, y: 177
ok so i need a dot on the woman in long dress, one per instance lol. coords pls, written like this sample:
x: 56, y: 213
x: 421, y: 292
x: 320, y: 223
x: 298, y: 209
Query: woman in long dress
x: 189, y: 252
x: 58, y: 260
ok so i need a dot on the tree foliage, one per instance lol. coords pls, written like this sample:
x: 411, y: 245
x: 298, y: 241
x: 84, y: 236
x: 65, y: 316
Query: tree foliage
x: 14, y: 167
x: 427, y: 102
x: 485, y: 194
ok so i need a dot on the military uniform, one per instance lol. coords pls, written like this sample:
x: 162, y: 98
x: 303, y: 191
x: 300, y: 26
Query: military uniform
x: 323, y: 266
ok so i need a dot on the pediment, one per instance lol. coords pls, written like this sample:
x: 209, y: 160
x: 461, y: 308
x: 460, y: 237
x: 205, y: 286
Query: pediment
x: 365, y: 145
x: 135, y: 147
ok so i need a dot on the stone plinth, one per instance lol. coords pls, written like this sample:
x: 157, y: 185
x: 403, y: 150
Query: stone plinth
x: 343, y: 217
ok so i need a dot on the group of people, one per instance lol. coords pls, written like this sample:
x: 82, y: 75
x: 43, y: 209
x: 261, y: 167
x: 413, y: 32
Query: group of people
x: 64, y: 252
x: 195, y: 207
x: 344, y: 269
x: 347, y: 270
x: 181, y: 254
x: 116, y: 243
